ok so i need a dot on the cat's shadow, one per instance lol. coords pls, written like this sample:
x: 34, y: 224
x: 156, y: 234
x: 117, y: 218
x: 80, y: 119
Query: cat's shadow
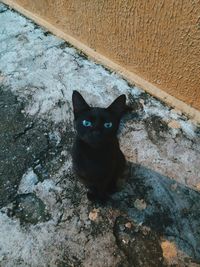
x: 169, y: 208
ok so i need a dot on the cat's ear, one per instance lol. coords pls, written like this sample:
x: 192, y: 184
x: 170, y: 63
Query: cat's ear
x: 118, y: 106
x: 79, y: 103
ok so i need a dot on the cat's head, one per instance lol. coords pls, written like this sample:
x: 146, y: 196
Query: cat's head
x: 97, y: 126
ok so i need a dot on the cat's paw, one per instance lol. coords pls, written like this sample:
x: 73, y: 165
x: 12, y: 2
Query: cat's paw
x: 91, y: 196
x: 99, y: 198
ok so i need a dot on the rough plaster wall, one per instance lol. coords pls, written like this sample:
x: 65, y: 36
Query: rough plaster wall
x: 159, y: 40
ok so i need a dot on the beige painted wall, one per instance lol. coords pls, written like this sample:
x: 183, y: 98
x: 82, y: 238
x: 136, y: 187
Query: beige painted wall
x: 157, y: 40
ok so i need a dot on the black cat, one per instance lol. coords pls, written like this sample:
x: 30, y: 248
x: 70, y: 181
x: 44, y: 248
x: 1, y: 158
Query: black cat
x: 96, y: 155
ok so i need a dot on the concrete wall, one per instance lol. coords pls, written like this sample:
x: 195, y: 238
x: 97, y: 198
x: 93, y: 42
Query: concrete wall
x: 157, y: 40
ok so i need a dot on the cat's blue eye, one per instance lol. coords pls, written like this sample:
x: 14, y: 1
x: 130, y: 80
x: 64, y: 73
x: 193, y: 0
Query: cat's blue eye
x: 108, y: 124
x: 87, y: 123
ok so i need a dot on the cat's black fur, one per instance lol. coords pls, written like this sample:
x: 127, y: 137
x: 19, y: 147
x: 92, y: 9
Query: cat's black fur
x: 97, y: 158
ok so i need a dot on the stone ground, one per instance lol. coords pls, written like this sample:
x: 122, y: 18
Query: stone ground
x: 45, y: 217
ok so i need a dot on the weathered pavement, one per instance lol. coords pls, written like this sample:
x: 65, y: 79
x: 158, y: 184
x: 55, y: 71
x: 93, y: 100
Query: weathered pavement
x: 45, y: 217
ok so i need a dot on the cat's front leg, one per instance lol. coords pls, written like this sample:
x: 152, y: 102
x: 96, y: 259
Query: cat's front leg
x: 97, y: 197
x: 96, y: 194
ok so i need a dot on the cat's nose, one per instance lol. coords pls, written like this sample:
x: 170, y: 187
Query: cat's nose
x: 96, y: 132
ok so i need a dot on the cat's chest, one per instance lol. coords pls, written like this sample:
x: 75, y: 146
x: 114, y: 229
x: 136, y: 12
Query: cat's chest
x: 95, y: 163
x: 96, y: 159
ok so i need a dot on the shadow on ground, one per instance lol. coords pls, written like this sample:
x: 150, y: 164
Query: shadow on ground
x: 169, y: 209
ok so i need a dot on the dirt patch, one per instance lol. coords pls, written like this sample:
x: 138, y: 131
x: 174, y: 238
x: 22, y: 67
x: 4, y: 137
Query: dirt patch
x: 29, y: 209
x: 139, y: 244
x: 156, y: 129
x: 21, y: 144
x: 24, y: 144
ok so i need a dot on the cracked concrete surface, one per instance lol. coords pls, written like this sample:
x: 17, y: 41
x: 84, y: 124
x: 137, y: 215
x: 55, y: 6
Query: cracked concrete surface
x: 45, y: 217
